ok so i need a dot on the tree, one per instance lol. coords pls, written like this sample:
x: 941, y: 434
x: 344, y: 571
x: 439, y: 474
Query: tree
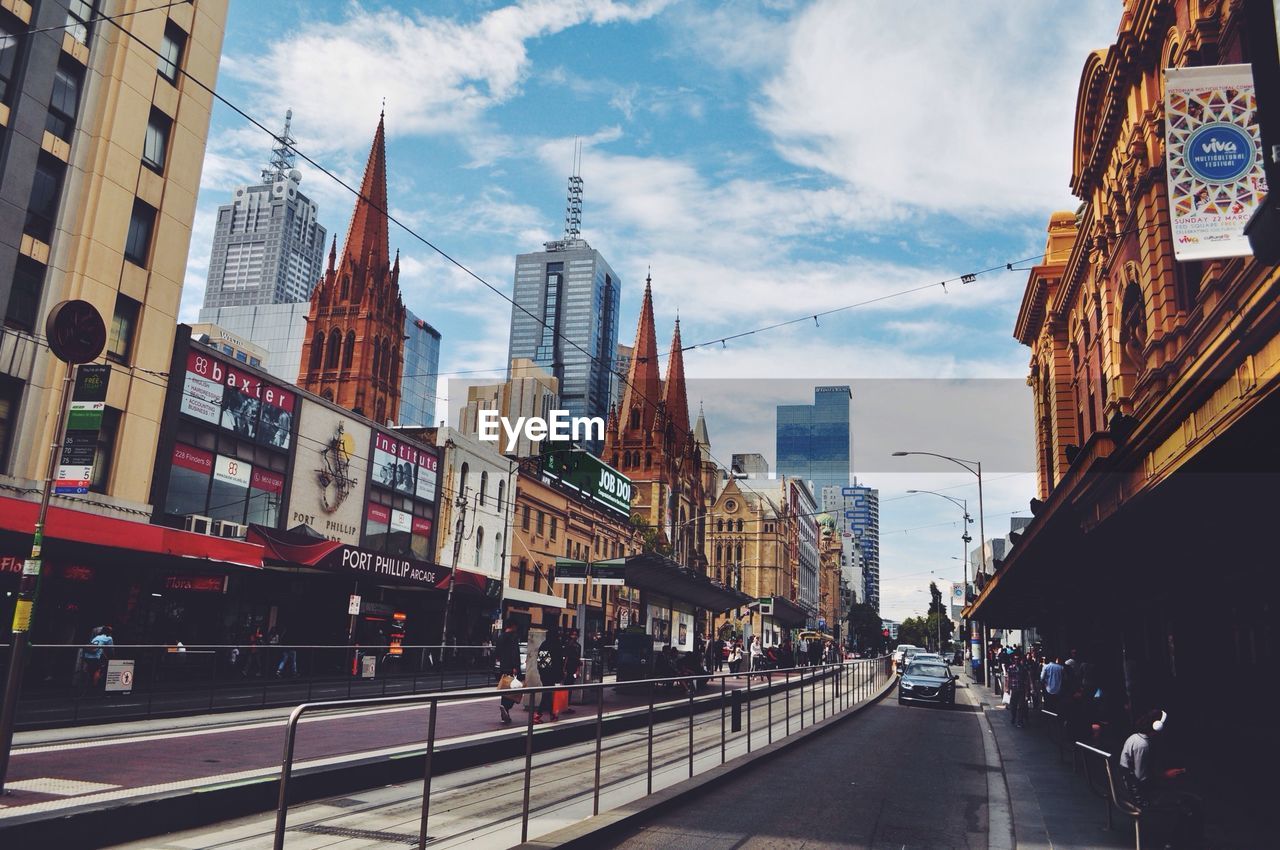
x: 651, y: 538
x: 865, y: 626
x: 914, y: 631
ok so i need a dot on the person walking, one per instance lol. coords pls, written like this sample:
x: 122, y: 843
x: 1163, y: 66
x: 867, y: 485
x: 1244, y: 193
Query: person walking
x: 97, y: 655
x: 508, y: 652
x: 288, y: 665
x: 712, y: 655
x: 1016, y: 678
x: 550, y: 660
x: 757, y: 655
x: 1052, y: 677
x: 735, y: 657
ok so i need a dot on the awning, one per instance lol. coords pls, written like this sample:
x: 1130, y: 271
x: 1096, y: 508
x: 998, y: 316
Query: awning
x: 81, y: 528
x: 528, y: 597
x: 653, y: 572
x: 294, y: 549
x: 787, y: 612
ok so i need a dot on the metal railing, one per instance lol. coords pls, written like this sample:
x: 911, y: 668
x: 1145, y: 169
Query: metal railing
x: 832, y: 688
x: 64, y: 686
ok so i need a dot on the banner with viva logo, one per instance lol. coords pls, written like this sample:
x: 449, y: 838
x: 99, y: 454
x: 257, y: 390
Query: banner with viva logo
x: 1214, y: 159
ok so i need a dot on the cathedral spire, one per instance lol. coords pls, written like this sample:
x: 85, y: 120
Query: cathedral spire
x: 676, y: 398
x: 644, y: 384
x: 700, y: 435
x: 367, y: 234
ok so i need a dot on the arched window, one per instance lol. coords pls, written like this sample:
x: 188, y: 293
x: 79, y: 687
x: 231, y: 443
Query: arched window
x: 479, y: 544
x: 648, y: 460
x: 484, y: 485
x: 334, y: 350
x: 502, y: 491
x: 350, y: 351
x: 738, y: 560
x: 719, y: 525
x: 462, y: 478
x: 635, y: 417
x: 386, y: 358
x: 497, y: 547
x: 380, y: 410
x: 346, y: 286
x: 393, y: 368
x: 1133, y: 327
x: 317, y: 350
x: 739, y: 525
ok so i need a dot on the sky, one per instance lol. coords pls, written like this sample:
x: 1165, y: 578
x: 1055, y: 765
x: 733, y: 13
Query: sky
x: 762, y: 160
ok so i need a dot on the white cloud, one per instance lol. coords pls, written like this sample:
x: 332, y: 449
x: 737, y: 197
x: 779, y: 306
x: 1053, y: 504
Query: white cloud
x: 439, y: 76
x: 970, y: 112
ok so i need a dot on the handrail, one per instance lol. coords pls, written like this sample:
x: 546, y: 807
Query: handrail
x: 1106, y: 792
x: 264, y: 645
x: 433, y: 701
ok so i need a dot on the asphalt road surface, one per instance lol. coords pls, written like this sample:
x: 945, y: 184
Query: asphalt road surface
x: 893, y: 777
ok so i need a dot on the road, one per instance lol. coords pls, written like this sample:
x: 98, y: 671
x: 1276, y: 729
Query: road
x: 893, y: 777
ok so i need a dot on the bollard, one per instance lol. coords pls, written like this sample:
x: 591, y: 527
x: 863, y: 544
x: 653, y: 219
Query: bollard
x: 735, y: 723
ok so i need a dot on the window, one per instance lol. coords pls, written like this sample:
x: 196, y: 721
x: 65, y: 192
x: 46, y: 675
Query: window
x: 253, y: 361
x: 242, y: 357
x: 46, y: 188
x: 502, y: 490
x: 24, y: 297
x: 106, y: 450
x: 484, y: 485
x: 10, y: 395
x: 541, y: 517
x: 335, y: 349
x: 124, y: 324
x: 137, y: 245
x: 317, y: 350
x: 155, y: 146
x: 79, y: 13
x: 350, y: 351
x: 171, y: 51
x: 8, y: 57
x: 189, y: 474
x: 61, y: 120
x: 524, y: 518
x: 479, y: 546
x: 554, y: 520
x: 265, y: 491
x: 463, y: 475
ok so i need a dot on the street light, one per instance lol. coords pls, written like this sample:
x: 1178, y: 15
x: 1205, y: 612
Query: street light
x: 963, y: 505
x: 974, y: 467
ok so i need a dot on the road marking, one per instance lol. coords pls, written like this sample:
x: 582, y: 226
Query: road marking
x: 60, y: 787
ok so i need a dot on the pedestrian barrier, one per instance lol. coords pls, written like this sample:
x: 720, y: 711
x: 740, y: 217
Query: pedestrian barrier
x: 1057, y: 726
x: 1098, y: 777
x: 837, y: 687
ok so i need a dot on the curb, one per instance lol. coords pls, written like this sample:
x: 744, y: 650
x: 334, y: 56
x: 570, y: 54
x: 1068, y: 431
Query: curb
x: 588, y: 834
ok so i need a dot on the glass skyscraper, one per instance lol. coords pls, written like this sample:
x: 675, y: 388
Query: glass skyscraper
x: 421, y: 365
x: 573, y: 296
x: 813, y: 439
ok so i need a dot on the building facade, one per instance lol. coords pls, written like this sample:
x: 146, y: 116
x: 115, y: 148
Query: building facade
x: 813, y: 439
x: 858, y: 508
x: 1154, y: 390
x: 530, y: 391
x: 353, y: 352
x: 101, y: 149
x: 565, y: 319
x: 268, y: 246
x: 421, y: 372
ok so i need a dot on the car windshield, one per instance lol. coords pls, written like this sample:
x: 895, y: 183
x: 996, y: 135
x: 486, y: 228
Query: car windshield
x: 936, y: 670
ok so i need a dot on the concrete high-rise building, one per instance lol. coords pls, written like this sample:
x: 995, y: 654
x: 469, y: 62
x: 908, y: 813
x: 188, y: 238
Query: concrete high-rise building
x: 268, y: 247
x: 565, y: 315
x: 103, y: 144
x: 749, y: 464
x: 813, y: 439
x: 353, y: 352
x: 530, y: 391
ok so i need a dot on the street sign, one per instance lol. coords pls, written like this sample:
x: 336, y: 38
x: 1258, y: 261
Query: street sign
x: 611, y: 572
x: 569, y: 571
x: 119, y: 676
x: 368, y: 666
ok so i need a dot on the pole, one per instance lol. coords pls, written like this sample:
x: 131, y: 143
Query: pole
x: 982, y: 547
x: 29, y: 589
x: 461, y: 503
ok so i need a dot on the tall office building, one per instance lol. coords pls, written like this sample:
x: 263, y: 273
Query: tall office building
x: 421, y: 365
x: 268, y: 247
x: 813, y: 439
x: 101, y: 147
x: 565, y: 315
x: 858, y: 508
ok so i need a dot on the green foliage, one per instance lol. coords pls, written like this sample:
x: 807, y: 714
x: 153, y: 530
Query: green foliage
x: 865, y: 626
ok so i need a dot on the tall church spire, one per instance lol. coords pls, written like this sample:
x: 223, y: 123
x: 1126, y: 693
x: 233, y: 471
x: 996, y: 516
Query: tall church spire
x: 700, y: 435
x: 367, y: 235
x: 676, y: 398
x: 644, y: 384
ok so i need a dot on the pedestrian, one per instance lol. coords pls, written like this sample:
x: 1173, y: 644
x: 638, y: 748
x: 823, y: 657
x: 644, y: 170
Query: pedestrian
x: 97, y: 655
x: 735, y: 657
x: 253, y: 666
x: 1052, y: 677
x: 815, y: 652
x: 288, y: 665
x: 550, y: 661
x: 572, y: 661
x: 786, y: 657
x: 712, y: 659
x: 1016, y: 679
x: 508, y: 652
x: 1158, y: 789
x: 722, y: 652
x: 757, y: 655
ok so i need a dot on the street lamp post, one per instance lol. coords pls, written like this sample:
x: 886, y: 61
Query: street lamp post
x: 975, y: 468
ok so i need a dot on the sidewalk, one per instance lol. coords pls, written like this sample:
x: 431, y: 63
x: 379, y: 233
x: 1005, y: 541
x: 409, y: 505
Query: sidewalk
x: 1053, y: 806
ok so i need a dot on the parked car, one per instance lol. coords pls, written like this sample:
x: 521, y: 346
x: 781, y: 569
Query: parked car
x: 927, y: 681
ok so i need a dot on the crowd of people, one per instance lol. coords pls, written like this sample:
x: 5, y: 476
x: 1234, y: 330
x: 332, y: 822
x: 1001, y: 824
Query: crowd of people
x: 1093, y: 709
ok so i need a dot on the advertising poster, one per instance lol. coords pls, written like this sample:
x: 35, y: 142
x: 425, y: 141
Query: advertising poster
x: 390, y: 469
x: 1214, y: 159
x: 330, y: 469
x: 232, y: 398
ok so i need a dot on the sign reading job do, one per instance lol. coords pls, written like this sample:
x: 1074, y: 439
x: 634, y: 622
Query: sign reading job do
x: 1214, y: 159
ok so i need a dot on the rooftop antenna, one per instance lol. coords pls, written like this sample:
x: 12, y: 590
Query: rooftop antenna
x: 283, y: 155
x: 573, y: 211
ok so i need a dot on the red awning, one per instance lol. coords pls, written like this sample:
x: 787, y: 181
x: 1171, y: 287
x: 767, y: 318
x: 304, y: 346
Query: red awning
x: 72, y: 526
